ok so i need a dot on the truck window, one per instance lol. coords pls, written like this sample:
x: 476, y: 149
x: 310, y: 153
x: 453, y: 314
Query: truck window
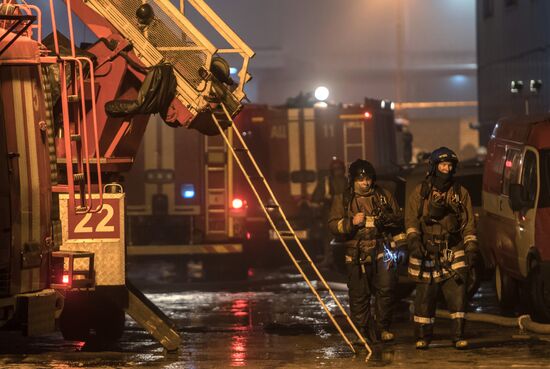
x: 495, y: 164
x: 511, y: 169
x: 544, y: 196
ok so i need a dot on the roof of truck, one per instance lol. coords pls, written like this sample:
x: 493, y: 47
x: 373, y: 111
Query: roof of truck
x: 532, y: 130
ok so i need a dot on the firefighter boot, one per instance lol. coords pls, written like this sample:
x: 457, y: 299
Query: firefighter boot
x: 424, y: 333
x: 458, y: 334
x: 387, y: 336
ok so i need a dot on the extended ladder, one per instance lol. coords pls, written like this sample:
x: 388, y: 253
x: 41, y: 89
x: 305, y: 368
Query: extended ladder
x: 354, y: 142
x: 280, y: 225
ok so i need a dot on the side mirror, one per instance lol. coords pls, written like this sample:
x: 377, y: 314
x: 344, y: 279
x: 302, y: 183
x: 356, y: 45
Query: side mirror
x: 518, y: 197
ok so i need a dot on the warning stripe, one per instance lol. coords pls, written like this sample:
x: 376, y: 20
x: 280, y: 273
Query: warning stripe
x: 31, y: 126
x: 185, y: 249
x: 22, y: 148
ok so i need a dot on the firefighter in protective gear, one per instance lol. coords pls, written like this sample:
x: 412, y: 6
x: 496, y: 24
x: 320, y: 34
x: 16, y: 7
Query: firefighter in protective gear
x: 335, y: 183
x: 372, y: 224
x: 441, y: 234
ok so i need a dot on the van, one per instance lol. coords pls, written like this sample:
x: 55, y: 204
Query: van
x: 515, y: 221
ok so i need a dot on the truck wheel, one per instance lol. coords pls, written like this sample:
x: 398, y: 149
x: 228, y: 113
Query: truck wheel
x: 73, y: 323
x: 540, y: 294
x: 109, y: 324
x: 506, y: 289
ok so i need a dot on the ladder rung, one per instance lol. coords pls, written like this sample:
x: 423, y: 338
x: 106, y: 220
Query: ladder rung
x: 73, y: 98
x: 75, y: 138
x: 287, y: 233
x: 215, y: 169
x: 217, y: 190
x: 354, y: 145
x: 216, y: 211
x: 60, y: 188
x: 256, y: 177
x: 240, y: 149
x: 271, y: 206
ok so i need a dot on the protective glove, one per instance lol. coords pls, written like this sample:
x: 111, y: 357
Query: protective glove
x: 472, y: 254
x: 416, y: 247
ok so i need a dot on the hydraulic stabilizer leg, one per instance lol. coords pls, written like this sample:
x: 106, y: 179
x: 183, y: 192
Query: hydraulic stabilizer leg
x: 152, y: 319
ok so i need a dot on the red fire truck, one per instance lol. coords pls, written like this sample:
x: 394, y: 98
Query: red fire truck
x: 515, y: 221
x: 190, y: 210
x: 71, y: 121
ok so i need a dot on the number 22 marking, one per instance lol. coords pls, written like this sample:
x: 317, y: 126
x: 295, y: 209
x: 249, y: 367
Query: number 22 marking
x: 101, y: 227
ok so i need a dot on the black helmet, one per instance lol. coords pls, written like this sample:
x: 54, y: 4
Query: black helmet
x: 335, y: 164
x: 361, y: 168
x: 440, y: 155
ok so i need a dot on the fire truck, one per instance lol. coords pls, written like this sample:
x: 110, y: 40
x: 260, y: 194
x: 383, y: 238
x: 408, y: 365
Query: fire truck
x: 71, y: 121
x: 515, y: 221
x: 189, y: 210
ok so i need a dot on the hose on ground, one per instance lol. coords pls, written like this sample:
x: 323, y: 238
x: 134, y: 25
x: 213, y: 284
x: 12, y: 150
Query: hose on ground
x: 523, y: 322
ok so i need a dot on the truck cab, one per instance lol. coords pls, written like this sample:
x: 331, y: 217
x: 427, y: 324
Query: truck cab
x: 515, y: 222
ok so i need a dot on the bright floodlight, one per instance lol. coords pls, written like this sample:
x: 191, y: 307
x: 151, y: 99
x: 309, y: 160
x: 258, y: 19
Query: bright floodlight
x: 321, y: 93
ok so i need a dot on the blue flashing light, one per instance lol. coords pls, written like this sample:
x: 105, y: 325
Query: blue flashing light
x: 233, y: 70
x: 187, y: 191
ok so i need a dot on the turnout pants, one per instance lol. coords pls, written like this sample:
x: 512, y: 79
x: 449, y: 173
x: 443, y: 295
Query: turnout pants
x: 375, y: 280
x: 425, y: 305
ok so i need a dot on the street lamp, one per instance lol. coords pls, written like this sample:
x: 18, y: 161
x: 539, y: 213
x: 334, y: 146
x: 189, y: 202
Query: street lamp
x: 321, y: 93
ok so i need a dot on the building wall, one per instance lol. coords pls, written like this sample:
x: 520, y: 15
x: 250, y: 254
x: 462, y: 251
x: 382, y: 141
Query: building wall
x: 455, y: 133
x: 513, y: 41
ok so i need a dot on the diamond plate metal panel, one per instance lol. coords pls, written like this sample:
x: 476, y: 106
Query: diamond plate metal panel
x: 109, y: 253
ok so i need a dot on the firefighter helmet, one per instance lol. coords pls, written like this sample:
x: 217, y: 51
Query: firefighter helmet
x: 361, y: 169
x: 335, y: 164
x: 440, y: 155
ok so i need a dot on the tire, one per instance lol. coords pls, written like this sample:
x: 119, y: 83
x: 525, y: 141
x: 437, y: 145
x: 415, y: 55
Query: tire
x: 73, y: 323
x: 506, y: 289
x: 539, y: 291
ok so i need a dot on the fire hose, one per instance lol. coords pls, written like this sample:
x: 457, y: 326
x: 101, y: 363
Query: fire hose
x: 523, y: 322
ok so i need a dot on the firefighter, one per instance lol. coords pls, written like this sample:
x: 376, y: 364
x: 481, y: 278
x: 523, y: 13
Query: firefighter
x: 335, y: 183
x: 370, y: 220
x: 442, y: 242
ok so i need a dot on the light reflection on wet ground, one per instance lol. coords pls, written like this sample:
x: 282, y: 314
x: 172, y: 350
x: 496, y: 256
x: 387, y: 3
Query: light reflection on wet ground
x: 272, y: 322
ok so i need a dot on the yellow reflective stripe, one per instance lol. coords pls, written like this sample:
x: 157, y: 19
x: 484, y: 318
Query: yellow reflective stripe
x: 458, y: 315
x: 434, y: 274
x: 459, y: 265
x: 471, y: 237
x: 412, y: 230
x: 341, y: 226
x: 423, y: 320
x: 458, y: 253
x: 399, y: 237
x: 415, y: 261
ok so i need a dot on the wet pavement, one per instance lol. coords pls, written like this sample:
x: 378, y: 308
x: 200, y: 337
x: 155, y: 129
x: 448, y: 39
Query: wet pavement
x: 271, y: 321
